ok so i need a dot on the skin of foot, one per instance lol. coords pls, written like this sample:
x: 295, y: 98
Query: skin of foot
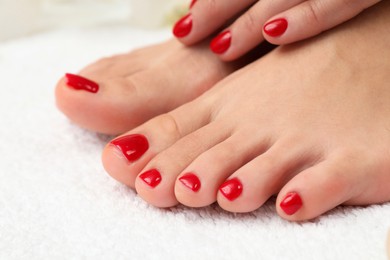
x: 309, y: 122
x: 118, y: 93
x: 279, y: 22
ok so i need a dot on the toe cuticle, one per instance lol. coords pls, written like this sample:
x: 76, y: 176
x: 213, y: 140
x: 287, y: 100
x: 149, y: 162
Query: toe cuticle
x: 151, y: 177
x: 291, y: 203
x: 131, y: 146
x: 231, y: 189
x: 191, y: 181
x: 80, y: 83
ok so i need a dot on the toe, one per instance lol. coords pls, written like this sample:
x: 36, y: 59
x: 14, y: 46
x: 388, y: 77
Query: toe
x: 123, y: 65
x: 198, y: 184
x: 125, y: 156
x: 127, y: 94
x: 320, y: 188
x: 254, y: 183
x: 168, y: 164
x: 107, y: 109
x: 121, y: 103
x: 91, y: 108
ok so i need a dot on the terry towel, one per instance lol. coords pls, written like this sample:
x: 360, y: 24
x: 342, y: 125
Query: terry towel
x: 57, y: 202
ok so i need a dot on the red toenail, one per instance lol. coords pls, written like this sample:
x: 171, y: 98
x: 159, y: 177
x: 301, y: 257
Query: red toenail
x: 231, y: 189
x: 132, y: 146
x: 80, y: 83
x: 291, y: 203
x: 151, y: 177
x: 191, y: 181
x: 221, y: 43
x: 276, y: 27
x: 183, y: 27
x: 192, y: 3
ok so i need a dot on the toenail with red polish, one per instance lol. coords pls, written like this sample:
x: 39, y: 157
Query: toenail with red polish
x: 191, y: 181
x: 291, y: 203
x: 151, y: 177
x: 192, y: 3
x: 276, y: 27
x: 132, y: 146
x: 221, y: 43
x: 231, y: 189
x: 183, y: 27
x: 81, y: 83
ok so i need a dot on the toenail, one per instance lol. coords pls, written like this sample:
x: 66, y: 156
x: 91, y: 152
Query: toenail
x: 276, y: 27
x: 221, y: 43
x: 132, y: 146
x: 291, y: 203
x: 183, y: 27
x: 231, y: 189
x: 81, y: 83
x: 192, y: 3
x: 151, y: 177
x: 191, y: 181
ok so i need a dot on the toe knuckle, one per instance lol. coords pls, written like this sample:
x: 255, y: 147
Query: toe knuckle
x: 314, y: 12
x: 269, y: 164
x: 168, y: 125
x: 211, y: 9
x: 249, y: 21
x: 221, y: 157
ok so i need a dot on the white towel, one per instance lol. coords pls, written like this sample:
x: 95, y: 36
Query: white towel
x: 57, y: 202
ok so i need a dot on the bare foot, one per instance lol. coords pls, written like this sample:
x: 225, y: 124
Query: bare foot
x: 124, y: 91
x: 309, y: 122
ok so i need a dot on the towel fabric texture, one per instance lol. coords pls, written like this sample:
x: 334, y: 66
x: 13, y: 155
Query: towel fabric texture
x: 57, y: 202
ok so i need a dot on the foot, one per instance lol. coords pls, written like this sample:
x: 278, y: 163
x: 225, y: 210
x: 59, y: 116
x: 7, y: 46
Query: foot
x: 309, y: 122
x: 279, y: 22
x: 118, y: 93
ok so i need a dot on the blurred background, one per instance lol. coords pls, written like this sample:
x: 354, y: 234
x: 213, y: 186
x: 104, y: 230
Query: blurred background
x: 20, y: 18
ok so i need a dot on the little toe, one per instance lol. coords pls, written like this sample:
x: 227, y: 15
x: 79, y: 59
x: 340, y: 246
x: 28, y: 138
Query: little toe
x: 320, y: 188
x: 254, y: 183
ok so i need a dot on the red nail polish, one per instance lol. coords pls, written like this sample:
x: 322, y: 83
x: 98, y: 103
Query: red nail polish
x: 221, y: 43
x: 192, y: 3
x: 151, y: 177
x: 183, y: 26
x: 231, y: 189
x: 191, y: 181
x: 78, y: 82
x: 291, y: 203
x: 276, y: 27
x: 132, y: 146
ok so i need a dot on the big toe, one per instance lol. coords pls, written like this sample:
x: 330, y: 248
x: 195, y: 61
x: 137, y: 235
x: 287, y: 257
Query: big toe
x: 120, y: 93
x: 93, y: 98
x: 139, y: 150
x: 111, y: 105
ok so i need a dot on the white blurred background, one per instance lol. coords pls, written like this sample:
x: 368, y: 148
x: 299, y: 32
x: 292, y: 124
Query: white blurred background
x: 19, y: 18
